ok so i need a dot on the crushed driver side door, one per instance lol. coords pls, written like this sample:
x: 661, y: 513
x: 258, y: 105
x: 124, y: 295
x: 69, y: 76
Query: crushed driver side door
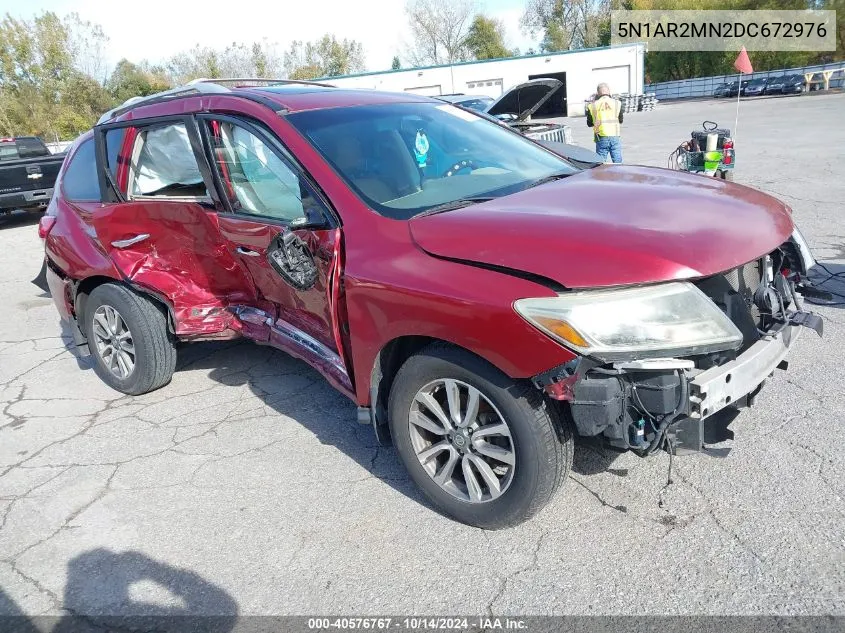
x: 284, y: 232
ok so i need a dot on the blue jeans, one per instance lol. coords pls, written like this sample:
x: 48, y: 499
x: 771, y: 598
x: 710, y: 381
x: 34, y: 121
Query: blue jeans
x: 611, y: 144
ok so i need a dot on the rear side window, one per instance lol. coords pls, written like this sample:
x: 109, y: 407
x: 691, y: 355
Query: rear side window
x: 31, y: 147
x: 14, y: 149
x: 79, y: 181
x: 163, y: 165
x: 8, y: 151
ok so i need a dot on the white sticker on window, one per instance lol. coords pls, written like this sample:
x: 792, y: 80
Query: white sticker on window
x: 461, y: 114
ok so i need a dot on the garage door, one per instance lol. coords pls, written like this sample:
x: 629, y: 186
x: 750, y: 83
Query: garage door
x: 617, y: 77
x: 486, y: 87
x: 428, y: 91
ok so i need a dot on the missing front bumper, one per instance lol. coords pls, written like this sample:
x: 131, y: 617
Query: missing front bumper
x: 726, y: 385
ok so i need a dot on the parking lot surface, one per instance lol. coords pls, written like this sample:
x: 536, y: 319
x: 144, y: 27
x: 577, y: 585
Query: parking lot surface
x: 247, y: 486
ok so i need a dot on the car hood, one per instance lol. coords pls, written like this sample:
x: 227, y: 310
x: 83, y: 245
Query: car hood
x: 613, y: 225
x: 525, y: 99
x: 574, y: 153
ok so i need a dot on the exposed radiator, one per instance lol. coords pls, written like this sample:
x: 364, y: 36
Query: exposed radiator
x: 560, y: 135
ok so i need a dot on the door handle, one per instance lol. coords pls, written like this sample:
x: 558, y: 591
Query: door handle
x: 247, y: 251
x: 130, y: 241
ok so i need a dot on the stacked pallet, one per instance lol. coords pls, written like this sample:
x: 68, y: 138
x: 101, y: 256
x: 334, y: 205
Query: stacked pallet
x: 648, y: 102
x: 630, y: 103
x: 637, y: 103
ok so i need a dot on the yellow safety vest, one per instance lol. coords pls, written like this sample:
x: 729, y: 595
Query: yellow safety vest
x: 605, y: 113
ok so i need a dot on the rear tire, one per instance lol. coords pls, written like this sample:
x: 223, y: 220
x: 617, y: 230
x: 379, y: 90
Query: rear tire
x: 538, y: 442
x: 133, y: 352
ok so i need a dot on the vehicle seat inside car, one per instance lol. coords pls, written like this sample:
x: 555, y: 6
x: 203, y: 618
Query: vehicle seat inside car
x: 395, y: 164
x: 382, y: 170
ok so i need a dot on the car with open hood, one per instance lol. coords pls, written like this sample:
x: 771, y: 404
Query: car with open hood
x: 517, y: 105
x: 481, y: 299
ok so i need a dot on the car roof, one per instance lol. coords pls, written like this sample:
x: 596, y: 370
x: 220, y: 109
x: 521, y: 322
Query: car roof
x: 297, y: 98
x: 284, y: 98
x: 462, y: 98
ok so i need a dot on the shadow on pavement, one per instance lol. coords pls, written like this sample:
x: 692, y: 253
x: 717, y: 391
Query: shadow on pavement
x: 98, y: 597
x: 332, y: 418
x: 19, y: 218
x: 592, y: 457
x: 828, y: 277
x: 292, y: 388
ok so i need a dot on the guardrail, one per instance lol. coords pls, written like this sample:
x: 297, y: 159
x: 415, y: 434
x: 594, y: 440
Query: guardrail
x: 818, y: 77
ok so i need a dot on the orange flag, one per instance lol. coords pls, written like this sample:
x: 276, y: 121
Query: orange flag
x: 742, y: 63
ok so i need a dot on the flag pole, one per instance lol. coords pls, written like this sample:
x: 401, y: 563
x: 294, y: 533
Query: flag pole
x: 738, y: 93
x: 743, y: 65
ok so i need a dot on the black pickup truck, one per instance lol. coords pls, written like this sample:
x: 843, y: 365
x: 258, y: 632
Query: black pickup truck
x: 27, y: 173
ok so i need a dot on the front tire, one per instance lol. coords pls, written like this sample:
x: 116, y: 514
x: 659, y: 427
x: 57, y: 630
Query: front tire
x: 486, y: 450
x: 128, y: 338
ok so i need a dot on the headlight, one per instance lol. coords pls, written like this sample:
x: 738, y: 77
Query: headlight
x: 672, y: 319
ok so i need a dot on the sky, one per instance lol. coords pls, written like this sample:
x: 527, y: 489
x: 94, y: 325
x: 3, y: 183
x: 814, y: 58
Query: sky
x: 157, y: 29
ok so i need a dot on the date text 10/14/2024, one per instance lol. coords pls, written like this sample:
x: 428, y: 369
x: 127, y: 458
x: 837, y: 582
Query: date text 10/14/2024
x: 417, y: 623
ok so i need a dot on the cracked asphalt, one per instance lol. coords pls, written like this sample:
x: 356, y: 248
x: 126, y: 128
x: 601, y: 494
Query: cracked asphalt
x: 247, y: 486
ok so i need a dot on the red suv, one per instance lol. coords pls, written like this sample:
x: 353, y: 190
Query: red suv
x: 478, y: 296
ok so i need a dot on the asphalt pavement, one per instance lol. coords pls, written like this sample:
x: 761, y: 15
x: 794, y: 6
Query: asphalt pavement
x: 247, y: 486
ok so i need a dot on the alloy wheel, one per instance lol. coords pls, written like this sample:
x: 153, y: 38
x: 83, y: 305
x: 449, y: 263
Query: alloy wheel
x: 462, y: 441
x: 114, y: 342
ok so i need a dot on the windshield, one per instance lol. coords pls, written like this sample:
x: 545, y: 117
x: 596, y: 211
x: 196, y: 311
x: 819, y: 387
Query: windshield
x: 403, y: 159
x: 479, y: 104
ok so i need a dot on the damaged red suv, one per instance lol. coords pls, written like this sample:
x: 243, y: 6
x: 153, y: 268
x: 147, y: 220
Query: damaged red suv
x: 479, y: 297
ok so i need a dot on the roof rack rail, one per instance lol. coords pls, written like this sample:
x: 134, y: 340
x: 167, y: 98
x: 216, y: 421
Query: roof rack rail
x: 179, y: 91
x: 258, y: 82
x: 202, y: 86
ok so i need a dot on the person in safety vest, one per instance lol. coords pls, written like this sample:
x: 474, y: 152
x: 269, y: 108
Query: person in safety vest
x: 604, y: 115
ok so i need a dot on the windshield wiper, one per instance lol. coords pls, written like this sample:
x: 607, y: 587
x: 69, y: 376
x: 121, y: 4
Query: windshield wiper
x: 454, y: 204
x: 549, y: 178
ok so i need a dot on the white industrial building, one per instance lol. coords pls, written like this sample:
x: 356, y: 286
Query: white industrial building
x: 621, y: 67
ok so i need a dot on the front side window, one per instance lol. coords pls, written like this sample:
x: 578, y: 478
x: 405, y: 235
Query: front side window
x: 163, y: 164
x: 257, y: 180
x: 404, y: 159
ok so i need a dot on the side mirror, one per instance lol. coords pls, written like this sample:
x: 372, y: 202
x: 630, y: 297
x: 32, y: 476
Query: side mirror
x: 313, y: 220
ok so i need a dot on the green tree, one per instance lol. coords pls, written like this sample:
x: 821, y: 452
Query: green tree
x: 395, y: 64
x: 486, y: 38
x: 568, y: 24
x: 673, y: 65
x: 131, y: 80
x: 259, y: 60
x: 326, y: 57
x: 439, y: 29
x: 44, y: 89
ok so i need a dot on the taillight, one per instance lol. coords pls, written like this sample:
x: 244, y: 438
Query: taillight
x: 45, y: 225
x: 728, y: 143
